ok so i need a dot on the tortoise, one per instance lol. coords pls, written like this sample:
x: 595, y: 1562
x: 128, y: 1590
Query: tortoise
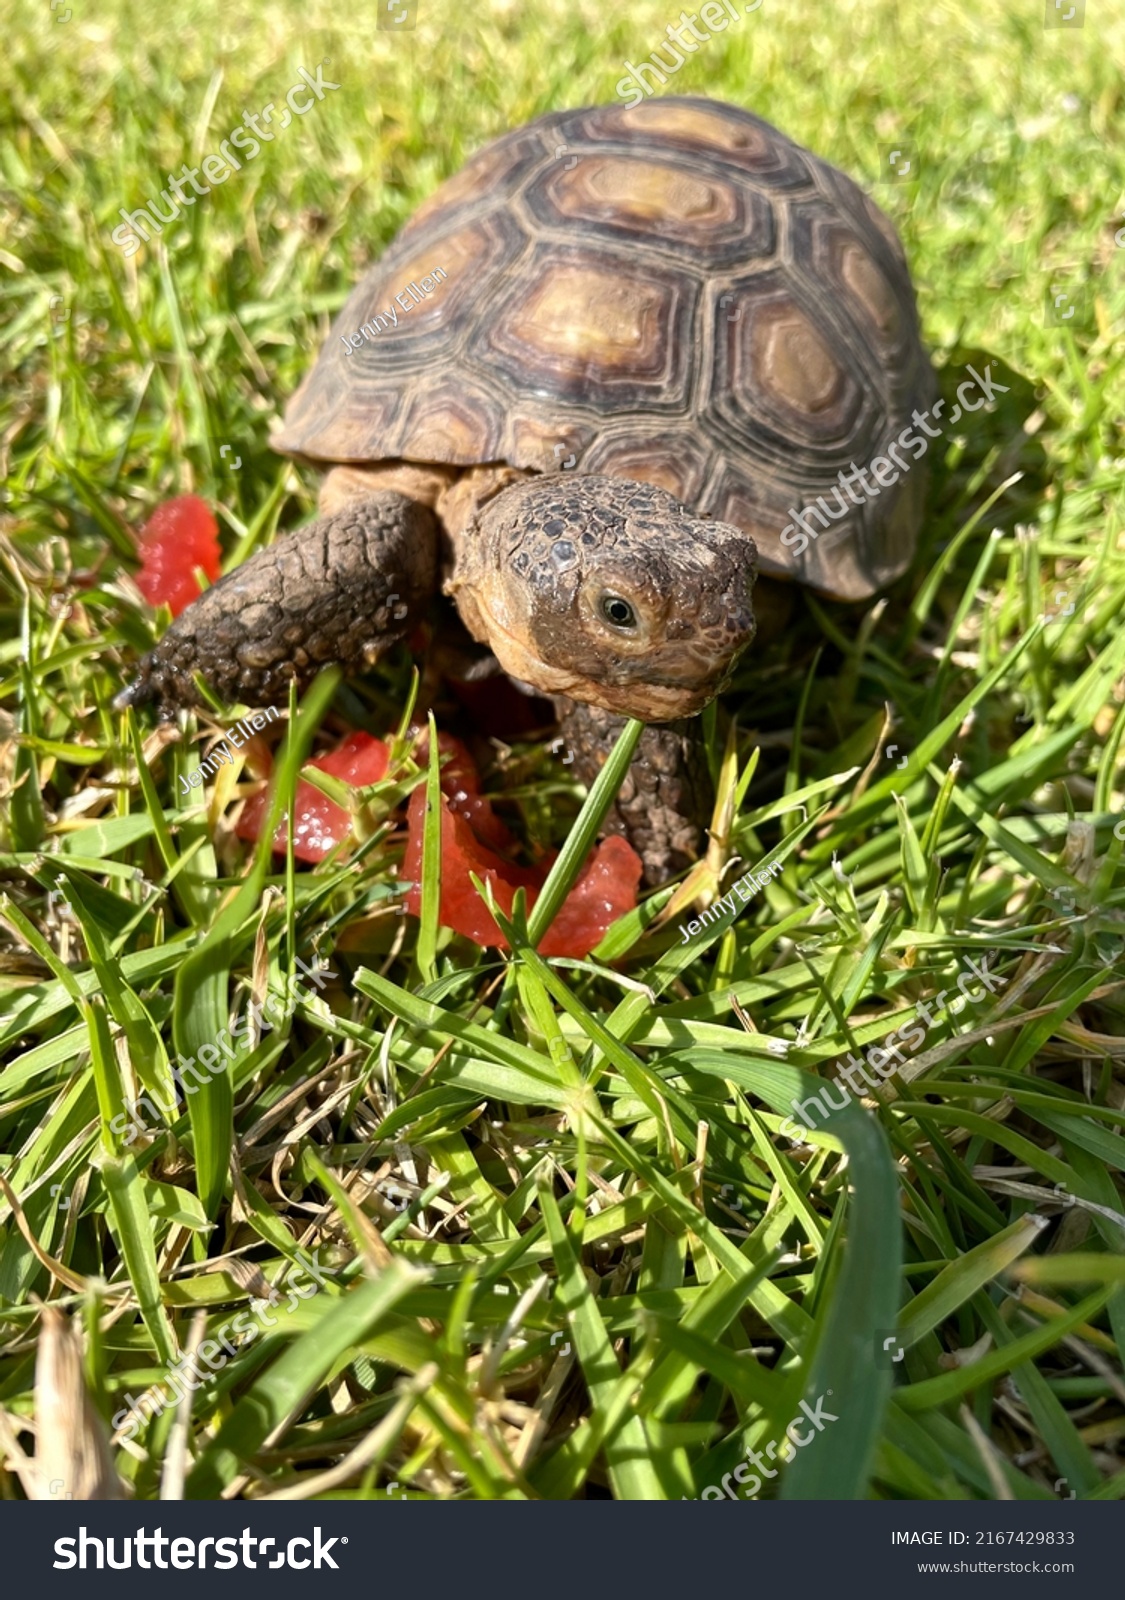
x: 620, y: 365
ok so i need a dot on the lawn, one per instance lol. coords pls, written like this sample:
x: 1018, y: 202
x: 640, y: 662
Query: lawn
x: 532, y: 1228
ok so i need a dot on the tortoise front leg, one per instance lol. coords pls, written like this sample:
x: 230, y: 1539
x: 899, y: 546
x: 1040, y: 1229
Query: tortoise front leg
x: 344, y: 590
x: 666, y: 799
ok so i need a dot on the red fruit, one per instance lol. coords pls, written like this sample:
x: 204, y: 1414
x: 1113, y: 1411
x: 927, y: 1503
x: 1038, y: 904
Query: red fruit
x: 471, y: 834
x: 460, y: 784
x: 462, y: 908
x: 359, y: 760
x: 320, y: 823
x: 606, y: 889
x: 180, y: 535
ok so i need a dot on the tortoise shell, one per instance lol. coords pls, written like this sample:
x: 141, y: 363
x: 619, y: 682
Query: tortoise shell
x: 671, y: 291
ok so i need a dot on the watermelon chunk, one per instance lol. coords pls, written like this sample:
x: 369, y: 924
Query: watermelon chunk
x: 460, y: 784
x: 472, y: 837
x: 180, y: 535
x: 606, y: 889
x: 320, y: 823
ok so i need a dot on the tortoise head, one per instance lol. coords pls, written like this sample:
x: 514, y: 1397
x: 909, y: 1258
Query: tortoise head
x: 607, y: 591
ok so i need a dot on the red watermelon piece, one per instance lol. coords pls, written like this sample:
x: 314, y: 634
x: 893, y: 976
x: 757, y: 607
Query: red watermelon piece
x: 181, y: 534
x: 320, y: 823
x: 472, y: 839
x: 606, y: 889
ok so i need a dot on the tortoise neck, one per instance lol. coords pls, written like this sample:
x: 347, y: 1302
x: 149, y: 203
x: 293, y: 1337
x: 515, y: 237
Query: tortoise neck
x: 459, y: 503
x: 422, y: 482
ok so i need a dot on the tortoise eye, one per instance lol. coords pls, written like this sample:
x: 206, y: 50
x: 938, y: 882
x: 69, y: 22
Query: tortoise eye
x: 617, y: 612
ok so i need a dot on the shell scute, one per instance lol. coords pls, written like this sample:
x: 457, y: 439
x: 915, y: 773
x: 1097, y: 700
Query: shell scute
x: 583, y: 328
x: 672, y: 292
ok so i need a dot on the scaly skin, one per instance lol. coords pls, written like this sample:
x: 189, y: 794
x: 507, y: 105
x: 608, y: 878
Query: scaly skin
x: 343, y: 590
x: 666, y: 799
x: 540, y: 560
x: 352, y: 584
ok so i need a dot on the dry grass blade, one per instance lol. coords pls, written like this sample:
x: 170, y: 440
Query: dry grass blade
x: 373, y: 1449
x: 72, y: 1456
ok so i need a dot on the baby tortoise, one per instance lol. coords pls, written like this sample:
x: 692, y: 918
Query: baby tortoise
x: 605, y: 375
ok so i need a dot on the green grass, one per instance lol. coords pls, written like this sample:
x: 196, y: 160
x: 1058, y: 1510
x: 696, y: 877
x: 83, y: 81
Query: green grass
x: 569, y: 1253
